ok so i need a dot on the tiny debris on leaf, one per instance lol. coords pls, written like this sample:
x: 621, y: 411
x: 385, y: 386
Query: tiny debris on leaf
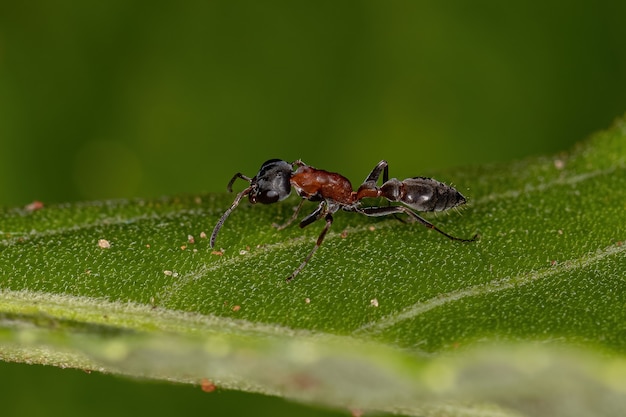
x: 559, y: 164
x: 207, y: 386
x: 104, y: 244
x: 355, y: 412
x: 34, y: 206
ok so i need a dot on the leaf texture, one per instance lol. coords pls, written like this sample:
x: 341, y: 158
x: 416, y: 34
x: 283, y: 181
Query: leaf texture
x: 387, y: 315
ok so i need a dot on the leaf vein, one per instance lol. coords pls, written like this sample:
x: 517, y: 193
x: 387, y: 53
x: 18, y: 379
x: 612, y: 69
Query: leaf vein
x: 496, y: 285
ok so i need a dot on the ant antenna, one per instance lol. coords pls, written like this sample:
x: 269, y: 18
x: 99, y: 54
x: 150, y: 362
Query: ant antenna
x: 233, y: 206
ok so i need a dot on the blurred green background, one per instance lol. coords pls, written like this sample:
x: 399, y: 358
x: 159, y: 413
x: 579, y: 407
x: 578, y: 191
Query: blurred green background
x: 120, y: 98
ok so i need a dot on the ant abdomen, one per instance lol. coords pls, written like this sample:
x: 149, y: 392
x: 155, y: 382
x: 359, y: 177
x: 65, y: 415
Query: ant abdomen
x: 422, y: 194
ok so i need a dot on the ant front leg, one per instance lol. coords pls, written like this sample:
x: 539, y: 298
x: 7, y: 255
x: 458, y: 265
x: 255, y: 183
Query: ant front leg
x: 316, y: 215
x: 229, y: 187
x: 318, y: 243
x: 385, y: 211
x: 291, y: 220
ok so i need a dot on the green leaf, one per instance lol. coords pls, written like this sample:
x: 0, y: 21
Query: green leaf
x: 528, y: 320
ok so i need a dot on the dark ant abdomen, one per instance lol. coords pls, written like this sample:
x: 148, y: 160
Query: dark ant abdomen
x: 422, y: 194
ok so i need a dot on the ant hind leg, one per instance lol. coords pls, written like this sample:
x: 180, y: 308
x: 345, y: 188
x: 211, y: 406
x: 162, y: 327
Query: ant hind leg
x: 383, y: 167
x: 394, y: 210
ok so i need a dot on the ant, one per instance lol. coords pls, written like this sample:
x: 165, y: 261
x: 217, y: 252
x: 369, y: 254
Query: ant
x: 274, y: 180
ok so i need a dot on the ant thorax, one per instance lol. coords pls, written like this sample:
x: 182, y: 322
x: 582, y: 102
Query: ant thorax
x: 317, y: 184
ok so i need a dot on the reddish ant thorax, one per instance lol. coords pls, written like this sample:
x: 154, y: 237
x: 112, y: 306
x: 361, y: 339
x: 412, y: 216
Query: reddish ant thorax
x: 318, y: 184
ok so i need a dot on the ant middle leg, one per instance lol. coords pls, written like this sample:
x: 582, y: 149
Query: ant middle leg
x: 318, y: 243
x: 394, y: 210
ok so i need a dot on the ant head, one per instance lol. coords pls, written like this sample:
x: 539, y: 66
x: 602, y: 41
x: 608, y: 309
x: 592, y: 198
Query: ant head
x: 271, y: 184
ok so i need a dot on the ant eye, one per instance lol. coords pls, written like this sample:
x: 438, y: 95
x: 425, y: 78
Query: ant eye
x: 267, y: 197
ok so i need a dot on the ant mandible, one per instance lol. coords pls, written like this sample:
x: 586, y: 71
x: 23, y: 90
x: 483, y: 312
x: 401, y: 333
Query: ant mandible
x: 274, y: 180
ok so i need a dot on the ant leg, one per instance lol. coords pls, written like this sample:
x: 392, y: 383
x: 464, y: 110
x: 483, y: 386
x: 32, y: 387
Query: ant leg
x: 369, y: 189
x: 383, y: 167
x: 320, y: 239
x: 221, y: 221
x: 385, y: 179
x: 316, y: 215
x: 385, y: 211
x: 293, y: 217
x: 229, y: 187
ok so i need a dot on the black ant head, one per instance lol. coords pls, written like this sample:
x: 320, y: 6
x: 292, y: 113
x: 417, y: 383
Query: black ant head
x: 271, y: 184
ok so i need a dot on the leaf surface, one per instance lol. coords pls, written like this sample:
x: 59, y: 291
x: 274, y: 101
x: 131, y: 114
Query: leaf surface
x: 387, y: 315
